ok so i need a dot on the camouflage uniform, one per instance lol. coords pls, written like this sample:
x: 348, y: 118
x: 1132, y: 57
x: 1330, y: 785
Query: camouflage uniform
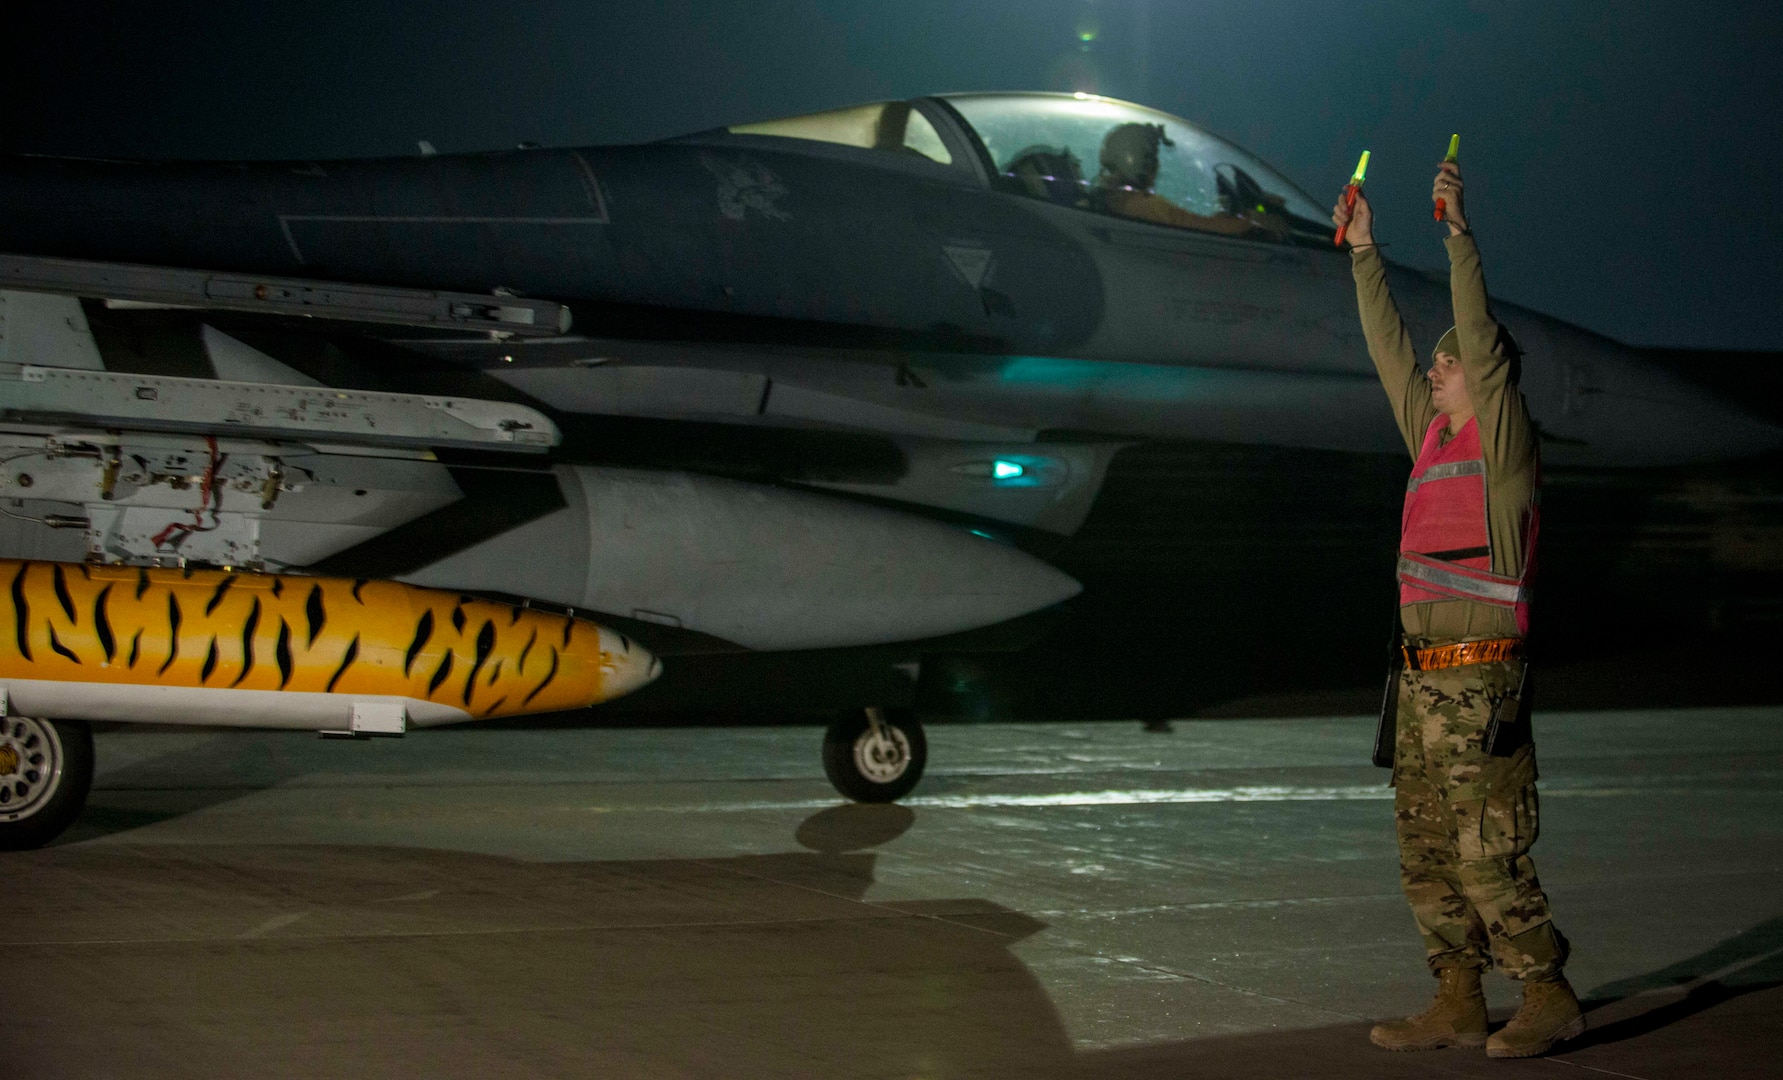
x: 1465, y: 823
x: 1466, y: 820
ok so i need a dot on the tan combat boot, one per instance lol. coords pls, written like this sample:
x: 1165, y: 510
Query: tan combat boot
x: 1550, y: 1014
x: 1456, y: 1018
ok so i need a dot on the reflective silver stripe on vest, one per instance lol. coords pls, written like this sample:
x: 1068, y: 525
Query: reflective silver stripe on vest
x: 1498, y: 592
x: 1448, y: 470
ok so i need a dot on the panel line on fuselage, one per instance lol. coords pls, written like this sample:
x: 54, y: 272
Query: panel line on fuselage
x: 285, y: 221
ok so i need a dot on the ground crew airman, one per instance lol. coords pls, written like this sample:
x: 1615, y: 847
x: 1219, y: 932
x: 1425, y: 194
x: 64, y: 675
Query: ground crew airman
x: 1466, y: 817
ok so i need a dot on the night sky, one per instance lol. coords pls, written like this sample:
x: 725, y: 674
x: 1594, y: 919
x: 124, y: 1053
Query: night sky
x: 1623, y: 159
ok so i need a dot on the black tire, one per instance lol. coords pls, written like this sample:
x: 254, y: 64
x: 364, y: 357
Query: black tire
x: 875, y: 774
x: 46, y: 770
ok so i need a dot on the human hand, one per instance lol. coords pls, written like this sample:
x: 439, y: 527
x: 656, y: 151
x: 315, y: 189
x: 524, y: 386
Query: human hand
x: 1360, y: 220
x: 1447, y: 187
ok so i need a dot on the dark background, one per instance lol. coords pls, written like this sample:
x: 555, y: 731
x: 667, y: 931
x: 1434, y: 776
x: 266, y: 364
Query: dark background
x: 1622, y: 163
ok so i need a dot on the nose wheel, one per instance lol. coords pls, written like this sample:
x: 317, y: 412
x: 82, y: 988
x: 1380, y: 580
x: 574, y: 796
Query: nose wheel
x: 875, y: 755
x: 46, y: 769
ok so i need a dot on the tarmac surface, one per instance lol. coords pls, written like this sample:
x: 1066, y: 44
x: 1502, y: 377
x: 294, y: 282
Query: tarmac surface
x: 1056, y: 900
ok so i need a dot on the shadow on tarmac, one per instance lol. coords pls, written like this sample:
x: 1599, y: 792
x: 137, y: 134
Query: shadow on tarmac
x: 1744, y: 964
x: 854, y: 826
x: 180, y: 960
x: 137, y: 796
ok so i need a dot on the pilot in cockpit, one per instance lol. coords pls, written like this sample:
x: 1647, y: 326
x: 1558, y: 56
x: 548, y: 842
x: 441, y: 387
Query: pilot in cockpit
x: 1129, y: 171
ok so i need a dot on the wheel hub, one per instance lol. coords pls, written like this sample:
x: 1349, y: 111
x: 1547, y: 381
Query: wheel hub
x: 31, y: 763
x: 882, y: 753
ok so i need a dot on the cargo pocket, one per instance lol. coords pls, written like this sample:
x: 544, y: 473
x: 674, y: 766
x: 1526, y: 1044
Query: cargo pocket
x: 1501, y: 826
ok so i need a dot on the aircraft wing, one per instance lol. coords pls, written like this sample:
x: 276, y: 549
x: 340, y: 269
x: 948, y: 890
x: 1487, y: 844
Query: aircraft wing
x: 194, y: 417
x: 161, y: 478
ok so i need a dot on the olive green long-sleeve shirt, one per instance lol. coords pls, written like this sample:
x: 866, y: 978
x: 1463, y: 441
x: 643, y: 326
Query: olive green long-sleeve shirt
x: 1507, y: 436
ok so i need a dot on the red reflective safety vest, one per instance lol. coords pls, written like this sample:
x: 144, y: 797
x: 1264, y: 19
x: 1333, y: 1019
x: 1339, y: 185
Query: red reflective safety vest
x: 1445, y: 546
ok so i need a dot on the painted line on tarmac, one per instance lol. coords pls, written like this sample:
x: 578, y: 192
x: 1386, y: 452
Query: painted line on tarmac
x: 1237, y: 795
x: 1068, y: 798
x: 277, y: 922
x: 1154, y: 797
x: 1139, y: 797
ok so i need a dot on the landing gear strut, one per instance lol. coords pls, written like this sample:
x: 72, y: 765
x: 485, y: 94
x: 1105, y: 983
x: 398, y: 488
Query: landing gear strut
x: 875, y: 755
x: 46, y: 769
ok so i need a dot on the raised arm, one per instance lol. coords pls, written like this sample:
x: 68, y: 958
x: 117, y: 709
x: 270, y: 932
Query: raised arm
x: 1389, y: 343
x: 1506, y: 435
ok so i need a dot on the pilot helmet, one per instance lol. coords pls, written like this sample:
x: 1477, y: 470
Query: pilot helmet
x: 1130, y: 152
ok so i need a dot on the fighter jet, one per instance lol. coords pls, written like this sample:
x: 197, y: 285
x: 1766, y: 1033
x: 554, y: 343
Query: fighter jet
x: 767, y: 387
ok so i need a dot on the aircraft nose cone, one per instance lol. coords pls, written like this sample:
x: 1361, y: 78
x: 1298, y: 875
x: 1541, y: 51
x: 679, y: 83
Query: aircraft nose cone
x: 625, y: 665
x: 1685, y: 428
x: 1663, y: 409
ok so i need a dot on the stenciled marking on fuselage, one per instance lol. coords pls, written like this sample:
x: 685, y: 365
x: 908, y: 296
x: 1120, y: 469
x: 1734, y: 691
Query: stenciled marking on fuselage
x: 745, y: 185
x: 971, y: 261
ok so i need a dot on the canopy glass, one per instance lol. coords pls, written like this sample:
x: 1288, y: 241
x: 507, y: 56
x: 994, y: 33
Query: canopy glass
x: 1051, y: 146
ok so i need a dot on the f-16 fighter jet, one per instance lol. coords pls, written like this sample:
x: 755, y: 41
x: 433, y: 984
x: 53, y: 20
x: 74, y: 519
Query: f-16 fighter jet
x: 364, y: 445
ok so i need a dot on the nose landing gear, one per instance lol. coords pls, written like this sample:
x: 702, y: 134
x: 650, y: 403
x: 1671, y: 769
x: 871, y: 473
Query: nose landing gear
x: 875, y: 755
x: 46, y: 768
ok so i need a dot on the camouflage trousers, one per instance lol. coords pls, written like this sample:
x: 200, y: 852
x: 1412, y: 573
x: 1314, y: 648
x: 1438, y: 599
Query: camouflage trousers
x: 1465, y: 822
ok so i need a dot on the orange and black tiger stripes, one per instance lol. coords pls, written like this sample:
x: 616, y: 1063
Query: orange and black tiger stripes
x: 230, y: 630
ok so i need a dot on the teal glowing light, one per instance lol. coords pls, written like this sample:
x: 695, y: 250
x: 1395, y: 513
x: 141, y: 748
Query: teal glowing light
x: 1006, y: 470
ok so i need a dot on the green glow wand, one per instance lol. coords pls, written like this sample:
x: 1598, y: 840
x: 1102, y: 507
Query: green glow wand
x: 1442, y: 207
x: 1349, y: 195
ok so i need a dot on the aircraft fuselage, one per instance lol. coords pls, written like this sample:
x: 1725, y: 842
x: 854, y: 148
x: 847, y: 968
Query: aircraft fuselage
x: 1028, y: 314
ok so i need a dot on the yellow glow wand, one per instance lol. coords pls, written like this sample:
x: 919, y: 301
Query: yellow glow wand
x: 1442, y: 207
x: 1349, y: 195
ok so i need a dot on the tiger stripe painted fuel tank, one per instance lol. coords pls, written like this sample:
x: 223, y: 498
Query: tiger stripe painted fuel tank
x: 252, y: 649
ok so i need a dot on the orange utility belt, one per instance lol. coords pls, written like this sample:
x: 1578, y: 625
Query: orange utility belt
x: 1466, y: 652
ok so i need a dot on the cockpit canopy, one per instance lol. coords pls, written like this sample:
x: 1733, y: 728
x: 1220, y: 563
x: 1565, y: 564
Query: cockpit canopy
x: 1057, y: 140
x: 882, y: 125
x: 1049, y: 147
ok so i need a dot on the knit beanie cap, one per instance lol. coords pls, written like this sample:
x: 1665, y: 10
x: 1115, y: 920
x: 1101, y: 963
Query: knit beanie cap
x: 1449, y: 343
